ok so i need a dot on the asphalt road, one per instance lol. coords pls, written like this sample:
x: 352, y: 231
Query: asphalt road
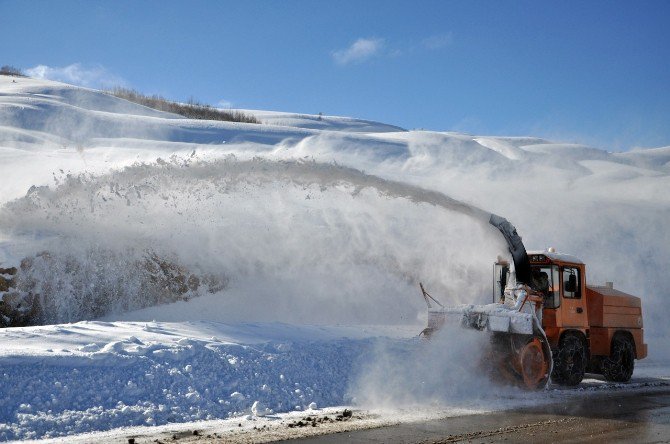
x: 616, y: 416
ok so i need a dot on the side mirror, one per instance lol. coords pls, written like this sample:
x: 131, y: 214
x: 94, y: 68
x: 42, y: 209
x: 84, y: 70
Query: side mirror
x: 503, y: 278
x: 500, y: 272
x: 571, y: 284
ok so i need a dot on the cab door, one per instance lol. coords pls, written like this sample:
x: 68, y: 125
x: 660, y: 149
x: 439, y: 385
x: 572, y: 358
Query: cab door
x: 573, y: 297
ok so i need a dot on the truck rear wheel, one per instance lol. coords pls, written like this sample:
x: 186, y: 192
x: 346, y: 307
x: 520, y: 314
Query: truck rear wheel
x: 569, y: 361
x: 619, y: 365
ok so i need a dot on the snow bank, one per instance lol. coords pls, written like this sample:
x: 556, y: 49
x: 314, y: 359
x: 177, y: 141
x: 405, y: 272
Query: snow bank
x: 120, y: 374
x: 96, y: 376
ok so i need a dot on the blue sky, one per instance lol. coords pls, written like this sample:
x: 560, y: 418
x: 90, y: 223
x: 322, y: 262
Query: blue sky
x: 595, y: 72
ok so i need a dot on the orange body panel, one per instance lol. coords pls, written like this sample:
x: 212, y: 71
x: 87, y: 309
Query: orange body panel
x: 553, y: 335
x: 613, y: 308
x: 601, y: 338
x: 610, y: 311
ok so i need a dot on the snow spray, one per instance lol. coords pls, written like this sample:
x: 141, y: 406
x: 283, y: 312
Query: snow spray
x: 301, y: 241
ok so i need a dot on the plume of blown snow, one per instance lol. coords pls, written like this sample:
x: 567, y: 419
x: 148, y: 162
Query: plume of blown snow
x: 300, y: 242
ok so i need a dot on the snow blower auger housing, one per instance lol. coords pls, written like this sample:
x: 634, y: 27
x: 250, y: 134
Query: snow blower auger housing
x: 546, y: 321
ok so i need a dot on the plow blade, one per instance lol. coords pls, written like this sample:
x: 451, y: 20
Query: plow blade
x: 518, y: 351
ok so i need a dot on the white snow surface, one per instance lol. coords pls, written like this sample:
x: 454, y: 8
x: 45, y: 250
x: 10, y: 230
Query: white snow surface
x: 307, y: 241
x: 557, y: 256
x: 92, y: 375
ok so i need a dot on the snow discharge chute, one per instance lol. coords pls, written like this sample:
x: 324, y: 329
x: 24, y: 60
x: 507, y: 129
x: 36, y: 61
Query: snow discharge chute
x: 516, y: 247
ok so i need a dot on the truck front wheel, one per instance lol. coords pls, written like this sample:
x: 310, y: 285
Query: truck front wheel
x: 619, y: 365
x: 569, y: 361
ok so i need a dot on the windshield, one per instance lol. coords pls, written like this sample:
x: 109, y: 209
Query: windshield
x: 545, y: 280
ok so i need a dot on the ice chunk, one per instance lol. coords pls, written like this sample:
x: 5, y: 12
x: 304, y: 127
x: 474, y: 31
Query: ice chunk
x: 259, y: 409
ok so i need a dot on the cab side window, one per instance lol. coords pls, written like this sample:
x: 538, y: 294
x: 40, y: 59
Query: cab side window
x: 553, y: 301
x: 571, y: 283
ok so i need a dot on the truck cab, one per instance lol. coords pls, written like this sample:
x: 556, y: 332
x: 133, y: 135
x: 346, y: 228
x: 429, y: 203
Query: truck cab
x: 561, y: 279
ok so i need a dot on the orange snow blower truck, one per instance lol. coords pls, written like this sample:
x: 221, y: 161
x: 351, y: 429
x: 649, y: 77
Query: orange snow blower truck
x: 545, y: 320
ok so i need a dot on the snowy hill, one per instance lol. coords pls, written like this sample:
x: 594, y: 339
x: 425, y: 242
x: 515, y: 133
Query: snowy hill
x: 282, y: 214
x: 321, y: 122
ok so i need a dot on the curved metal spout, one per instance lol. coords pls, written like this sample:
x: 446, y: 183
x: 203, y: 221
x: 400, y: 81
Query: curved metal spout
x: 516, y: 248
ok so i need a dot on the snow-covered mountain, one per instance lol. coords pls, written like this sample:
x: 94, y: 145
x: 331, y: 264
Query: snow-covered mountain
x: 282, y: 211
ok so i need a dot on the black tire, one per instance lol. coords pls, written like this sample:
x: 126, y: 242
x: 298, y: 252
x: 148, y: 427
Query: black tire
x: 569, y: 361
x: 619, y: 366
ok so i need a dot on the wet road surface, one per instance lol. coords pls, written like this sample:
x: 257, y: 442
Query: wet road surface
x: 608, y: 417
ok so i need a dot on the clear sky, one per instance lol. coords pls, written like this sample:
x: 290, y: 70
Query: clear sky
x: 595, y: 72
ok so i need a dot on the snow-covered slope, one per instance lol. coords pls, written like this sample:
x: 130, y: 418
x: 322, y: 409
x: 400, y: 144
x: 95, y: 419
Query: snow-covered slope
x: 322, y: 122
x: 282, y: 211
